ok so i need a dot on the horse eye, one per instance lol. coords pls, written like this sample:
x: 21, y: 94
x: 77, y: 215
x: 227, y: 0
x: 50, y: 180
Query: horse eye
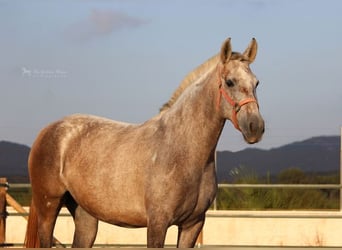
x: 230, y: 83
x: 257, y: 84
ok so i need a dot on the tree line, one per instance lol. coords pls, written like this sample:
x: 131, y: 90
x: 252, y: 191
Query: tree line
x: 279, y: 199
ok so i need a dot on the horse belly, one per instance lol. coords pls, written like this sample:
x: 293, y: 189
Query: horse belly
x: 111, y: 199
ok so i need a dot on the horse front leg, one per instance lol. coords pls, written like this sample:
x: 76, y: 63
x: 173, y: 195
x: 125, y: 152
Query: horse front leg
x: 156, y: 233
x: 187, y: 235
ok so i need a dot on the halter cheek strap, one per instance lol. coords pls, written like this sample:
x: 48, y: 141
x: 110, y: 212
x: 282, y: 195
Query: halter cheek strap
x: 236, y: 105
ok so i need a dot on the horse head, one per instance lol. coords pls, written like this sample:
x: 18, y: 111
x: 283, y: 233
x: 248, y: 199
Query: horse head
x: 237, y: 85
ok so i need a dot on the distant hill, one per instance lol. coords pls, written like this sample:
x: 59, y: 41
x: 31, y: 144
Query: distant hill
x: 318, y: 154
x: 13, y: 161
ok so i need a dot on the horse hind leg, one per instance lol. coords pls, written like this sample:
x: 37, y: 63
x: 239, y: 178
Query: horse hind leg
x: 85, y: 225
x: 85, y: 229
x: 47, y: 211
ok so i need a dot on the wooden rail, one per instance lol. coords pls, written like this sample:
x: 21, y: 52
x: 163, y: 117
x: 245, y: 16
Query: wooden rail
x: 3, y: 212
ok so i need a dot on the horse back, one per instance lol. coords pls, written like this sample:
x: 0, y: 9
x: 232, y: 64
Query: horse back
x: 63, y: 139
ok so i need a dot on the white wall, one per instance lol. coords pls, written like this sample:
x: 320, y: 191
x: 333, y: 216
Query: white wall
x: 233, y: 228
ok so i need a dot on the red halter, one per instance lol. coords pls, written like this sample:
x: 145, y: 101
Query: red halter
x: 236, y: 105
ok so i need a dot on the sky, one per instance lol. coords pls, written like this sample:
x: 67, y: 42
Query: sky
x: 122, y: 59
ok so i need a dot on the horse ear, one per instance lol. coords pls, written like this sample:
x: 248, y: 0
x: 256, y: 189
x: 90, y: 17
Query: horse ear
x: 226, y: 51
x: 251, y: 51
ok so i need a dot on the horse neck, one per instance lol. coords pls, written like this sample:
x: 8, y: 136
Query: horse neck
x: 194, y: 121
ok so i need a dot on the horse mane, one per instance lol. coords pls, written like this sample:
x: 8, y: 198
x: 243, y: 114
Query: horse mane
x: 195, y: 74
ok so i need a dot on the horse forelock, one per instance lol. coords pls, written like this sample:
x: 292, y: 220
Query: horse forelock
x: 194, y: 75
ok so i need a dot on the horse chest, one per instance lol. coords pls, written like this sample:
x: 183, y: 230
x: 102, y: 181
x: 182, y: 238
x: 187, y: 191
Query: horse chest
x: 186, y: 197
x: 197, y: 202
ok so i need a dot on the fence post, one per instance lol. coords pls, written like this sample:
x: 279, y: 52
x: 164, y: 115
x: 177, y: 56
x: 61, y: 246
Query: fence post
x: 341, y: 169
x: 3, y: 211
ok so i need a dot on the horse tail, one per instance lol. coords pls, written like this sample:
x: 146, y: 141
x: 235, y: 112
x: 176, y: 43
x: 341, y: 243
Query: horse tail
x: 31, y: 237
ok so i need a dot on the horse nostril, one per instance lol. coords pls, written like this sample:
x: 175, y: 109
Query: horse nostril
x: 251, y: 127
x: 255, y: 127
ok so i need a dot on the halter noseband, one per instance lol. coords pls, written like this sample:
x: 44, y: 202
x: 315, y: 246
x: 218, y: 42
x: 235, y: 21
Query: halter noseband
x: 236, y: 105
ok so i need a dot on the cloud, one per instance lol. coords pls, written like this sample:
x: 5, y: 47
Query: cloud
x: 101, y: 23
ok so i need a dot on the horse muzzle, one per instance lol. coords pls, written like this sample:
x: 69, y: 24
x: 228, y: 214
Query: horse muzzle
x: 252, y: 128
